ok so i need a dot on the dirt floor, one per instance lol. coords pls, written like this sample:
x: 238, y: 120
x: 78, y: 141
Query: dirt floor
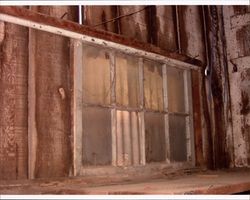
x: 184, y: 182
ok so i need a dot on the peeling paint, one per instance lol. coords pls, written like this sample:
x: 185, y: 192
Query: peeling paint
x: 243, y: 38
x: 245, y: 75
x: 245, y: 106
x: 237, y: 32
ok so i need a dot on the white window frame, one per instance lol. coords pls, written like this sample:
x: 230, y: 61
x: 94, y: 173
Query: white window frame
x: 80, y: 169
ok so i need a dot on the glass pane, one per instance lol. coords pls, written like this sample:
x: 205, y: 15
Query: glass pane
x: 97, y: 136
x: 127, y: 81
x: 155, y: 137
x: 176, y: 101
x: 177, y: 137
x: 153, y: 86
x: 96, y: 75
x: 128, y: 141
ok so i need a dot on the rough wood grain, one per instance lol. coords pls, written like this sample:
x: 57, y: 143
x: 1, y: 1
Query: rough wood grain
x: 52, y: 102
x: 32, y: 131
x: 192, y: 42
x: 197, y: 118
x: 13, y: 102
x: 100, y: 16
x: 90, y: 31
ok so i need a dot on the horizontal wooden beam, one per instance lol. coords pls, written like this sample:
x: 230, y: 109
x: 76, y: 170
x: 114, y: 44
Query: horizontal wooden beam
x: 47, y: 23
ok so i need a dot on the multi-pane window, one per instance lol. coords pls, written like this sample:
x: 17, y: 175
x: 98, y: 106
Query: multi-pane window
x: 135, y: 111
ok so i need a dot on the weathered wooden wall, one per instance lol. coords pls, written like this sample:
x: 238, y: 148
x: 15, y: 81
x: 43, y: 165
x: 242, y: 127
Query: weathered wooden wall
x: 168, y: 27
x: 220, y: 144
x: 176, y: 29
x: 237, y: 31
x: 51, y: 116
x: 13, y: 101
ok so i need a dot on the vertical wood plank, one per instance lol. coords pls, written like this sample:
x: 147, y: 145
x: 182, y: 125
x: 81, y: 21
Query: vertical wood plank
x: 53, y: 99
x: 96, y: 16
x: 134, y: 26
x: 191, y: 118
x: 13, y: 101
x: 196, y: 100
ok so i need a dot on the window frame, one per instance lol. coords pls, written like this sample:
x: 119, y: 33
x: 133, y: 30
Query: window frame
x: 80, y: 169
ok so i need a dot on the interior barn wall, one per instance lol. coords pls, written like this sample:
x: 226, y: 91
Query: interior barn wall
x: 52, y: 153
x: 96, y: 15
x: 161, y: 26
x: 145, y: 24
x: 237, y: 31
x: 164, y: 29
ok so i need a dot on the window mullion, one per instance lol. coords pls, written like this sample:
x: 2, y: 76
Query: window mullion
x: 113, y: 109
x: 189, y: 118
x: 166, y: 116
x: 77, y: 104
x: 141, y: 114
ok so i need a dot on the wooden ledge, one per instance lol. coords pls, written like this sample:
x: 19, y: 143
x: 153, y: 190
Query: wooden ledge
x: 208, y: 182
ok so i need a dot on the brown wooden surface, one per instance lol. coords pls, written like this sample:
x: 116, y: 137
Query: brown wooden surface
x: 71, y: 26
x: 197, y: 117
x: 182, y: 182
x: 189, y: 37
x: 51, y: 109
x: 13, y: 101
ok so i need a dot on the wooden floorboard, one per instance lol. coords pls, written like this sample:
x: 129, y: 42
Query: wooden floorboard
x: 206, y: 182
